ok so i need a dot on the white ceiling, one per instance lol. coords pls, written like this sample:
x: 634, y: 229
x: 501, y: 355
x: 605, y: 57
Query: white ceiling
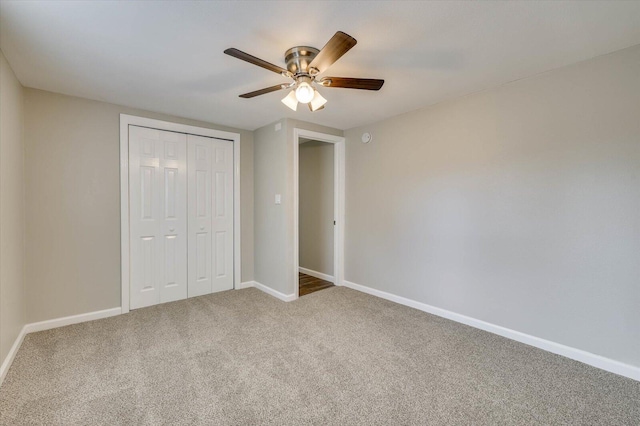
x: 167, y: 56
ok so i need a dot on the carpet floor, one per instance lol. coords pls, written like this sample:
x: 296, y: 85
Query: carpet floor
x: 336, y: 357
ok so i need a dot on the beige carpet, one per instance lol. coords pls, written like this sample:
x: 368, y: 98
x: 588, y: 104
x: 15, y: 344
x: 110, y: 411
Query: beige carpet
x: 333, y: 357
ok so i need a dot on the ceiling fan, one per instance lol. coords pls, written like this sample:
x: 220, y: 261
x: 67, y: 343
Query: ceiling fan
x: 304, y: 64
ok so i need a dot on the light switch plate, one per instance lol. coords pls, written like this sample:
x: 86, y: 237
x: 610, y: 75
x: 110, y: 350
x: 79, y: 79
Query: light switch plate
x: 278, y: 126
x: 278, y: 199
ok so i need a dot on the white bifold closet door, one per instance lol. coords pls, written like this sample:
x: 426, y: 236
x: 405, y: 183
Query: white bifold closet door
x: 158, y: 216
x: 181, y: 216
x: 210, y: 211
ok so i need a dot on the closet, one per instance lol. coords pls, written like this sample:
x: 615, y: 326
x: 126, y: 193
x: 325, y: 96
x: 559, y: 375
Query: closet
x: 180, y: 215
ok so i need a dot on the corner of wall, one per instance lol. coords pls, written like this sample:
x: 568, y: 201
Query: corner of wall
x: 12, y: 208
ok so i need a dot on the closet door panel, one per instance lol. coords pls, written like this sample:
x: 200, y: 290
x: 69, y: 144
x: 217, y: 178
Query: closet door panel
x: 174, y: 211
x: 199, y: 152
x: 158, y: 216
x: 223, y: 215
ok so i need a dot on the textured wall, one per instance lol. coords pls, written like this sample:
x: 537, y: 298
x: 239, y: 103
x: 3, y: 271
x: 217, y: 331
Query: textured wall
x: 73, y: 203
x: 269, y: 166
x: 12, y: 288
x: 273, y: 174
x: 518, y: 206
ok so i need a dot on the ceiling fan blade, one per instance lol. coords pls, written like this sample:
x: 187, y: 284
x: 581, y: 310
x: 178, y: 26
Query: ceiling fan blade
x: 263, y: 91
x: 352, y: 83
x: 255, y: 61
x: 339, y: 44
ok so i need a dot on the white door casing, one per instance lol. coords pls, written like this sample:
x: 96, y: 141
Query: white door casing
x: 158, y: 219
x: 338, y: 202
x: 210, y: 211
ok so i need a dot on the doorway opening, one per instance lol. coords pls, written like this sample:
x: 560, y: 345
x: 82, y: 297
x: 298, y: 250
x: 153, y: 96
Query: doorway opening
x: 315, y: 215
x: 318, y: 211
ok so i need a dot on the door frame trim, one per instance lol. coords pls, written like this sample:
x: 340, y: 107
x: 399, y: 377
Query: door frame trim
x: 125, y: 121
x: 338, y: 202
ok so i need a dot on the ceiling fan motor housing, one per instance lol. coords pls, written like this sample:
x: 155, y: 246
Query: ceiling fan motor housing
x: 298, y: 59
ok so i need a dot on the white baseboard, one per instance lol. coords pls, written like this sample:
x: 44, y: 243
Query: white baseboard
x: 589, y: 358
x: 48, y: 325
x: 272, y: 292
x: 74, y: 319
x: 246, y: 284
x: 316, y: 274
x: 4, y: 368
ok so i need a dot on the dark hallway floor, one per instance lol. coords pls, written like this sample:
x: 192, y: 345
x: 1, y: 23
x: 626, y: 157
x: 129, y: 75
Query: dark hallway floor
x: 309, y: 284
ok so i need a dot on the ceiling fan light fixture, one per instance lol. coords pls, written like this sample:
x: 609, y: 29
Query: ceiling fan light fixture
x: 291, y: 100
x: 304, y: 91
x: 317, y: 102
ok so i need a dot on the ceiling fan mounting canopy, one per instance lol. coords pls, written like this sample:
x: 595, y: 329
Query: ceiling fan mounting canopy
x: 304, y: 63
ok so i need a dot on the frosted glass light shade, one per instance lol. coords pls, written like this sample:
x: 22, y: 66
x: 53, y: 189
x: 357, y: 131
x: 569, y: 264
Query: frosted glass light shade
x: 291, y: 100
x: 304, y: 92
x: 317, y: 102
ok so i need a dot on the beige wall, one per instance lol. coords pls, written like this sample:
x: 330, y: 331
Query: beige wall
x: 519, y: 206
x: 269, y: 165
x: 316, y: 206
x: 12, y: 287
x: 273, y: 174
x: 73, y: 203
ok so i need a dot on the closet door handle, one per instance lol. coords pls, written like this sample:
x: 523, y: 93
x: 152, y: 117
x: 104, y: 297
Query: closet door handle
x: 202, y: 227
x: 172, y: 229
